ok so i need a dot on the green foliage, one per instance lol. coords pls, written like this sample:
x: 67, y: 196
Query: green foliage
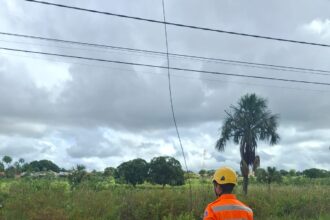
x: 52, y: 199
x: 132, y: 172
x: 210, y: 173
x: 284, y: 172
x: 77, y: 176
x: 21, y: 161
x: 249, y: 122
x: 202, y: 172
x: 42, y: 165
x: 315, y: 173
x: 292, y: 172
x: 10, y: 172
x: 109, y: 171
x: 2, y: 167
x: 268, y: 176
x: 166, y: 170
x: 7, y: 160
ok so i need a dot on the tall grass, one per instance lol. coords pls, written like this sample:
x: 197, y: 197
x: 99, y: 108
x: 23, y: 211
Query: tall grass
x: 54, y: 200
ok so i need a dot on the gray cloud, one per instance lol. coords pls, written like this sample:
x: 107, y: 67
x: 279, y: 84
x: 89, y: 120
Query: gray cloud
x: 92, y: 144
x: 135, y: 101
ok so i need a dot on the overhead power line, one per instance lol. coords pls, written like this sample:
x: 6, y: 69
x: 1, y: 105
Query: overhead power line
x: 181, y: 25
x: 172, y: 105
x: 179, y: 76
x: 171, y: 68
x: 185, y: 56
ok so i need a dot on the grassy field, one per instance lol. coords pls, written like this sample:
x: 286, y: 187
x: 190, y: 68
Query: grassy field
x: 53, y: 199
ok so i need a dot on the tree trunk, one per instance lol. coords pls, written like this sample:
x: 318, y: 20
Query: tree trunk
x: 245, y: 184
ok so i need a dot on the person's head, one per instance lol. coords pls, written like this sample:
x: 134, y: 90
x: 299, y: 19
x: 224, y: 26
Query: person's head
x: 223, y: 188
x: 224, y: 181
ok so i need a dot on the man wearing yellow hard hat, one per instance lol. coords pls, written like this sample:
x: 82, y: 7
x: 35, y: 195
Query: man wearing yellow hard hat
x: 226, y: 206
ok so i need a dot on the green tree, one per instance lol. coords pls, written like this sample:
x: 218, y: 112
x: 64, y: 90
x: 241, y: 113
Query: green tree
x: 273, y: 176
x: 17, y: 167
x: 268, y: 176
x: 210, y: 173
x: 77, y: 175
x: 166, y: 170
x: 21, y: 161
x: 43, y: 165
x: 10, y: 172
x: 202, y: 173
x: 315, y: 173
x: 261, y: 175
x: 7, y: 160
x: 109, y: 171
x: 292, y: 172
x: 284, y: 172
x: 132, y: 172
x: 246, y: 124
x: 81, y: 167
x: 2, y: 167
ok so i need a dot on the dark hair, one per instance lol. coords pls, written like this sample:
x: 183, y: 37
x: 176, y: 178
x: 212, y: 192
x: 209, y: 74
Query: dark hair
x: 227, y: 188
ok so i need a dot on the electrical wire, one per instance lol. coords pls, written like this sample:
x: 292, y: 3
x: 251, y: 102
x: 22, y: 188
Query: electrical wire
x: 171, y: 68
x: 181, y: 25
x: 212, y: 79
x: 171, y: 104
x: 185, y: 56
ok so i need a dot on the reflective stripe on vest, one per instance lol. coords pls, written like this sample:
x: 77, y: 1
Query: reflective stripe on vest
x: 230, y: 208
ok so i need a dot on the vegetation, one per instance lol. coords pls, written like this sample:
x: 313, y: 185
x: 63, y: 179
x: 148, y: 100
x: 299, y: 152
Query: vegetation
x: 315, y: 173
x: 102, y: 195
x: 132, y: 172
x: 77, y: 176
x: 54, y: 199
x: 268, y: 176
x: 166, y: 170
x: 249, y: 122
x: 7, y: 160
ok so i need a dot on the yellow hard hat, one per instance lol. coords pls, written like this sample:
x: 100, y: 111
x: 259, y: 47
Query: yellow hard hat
x: 225, y: 175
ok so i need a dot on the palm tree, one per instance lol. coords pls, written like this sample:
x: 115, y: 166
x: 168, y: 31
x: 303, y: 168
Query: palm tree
x: 21, y: 161
x: 268, y: 176
x: 7, y: 160
x: 247, y: 123
x: 272, y: 175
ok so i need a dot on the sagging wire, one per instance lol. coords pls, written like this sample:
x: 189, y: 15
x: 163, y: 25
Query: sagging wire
x: 172, y: 106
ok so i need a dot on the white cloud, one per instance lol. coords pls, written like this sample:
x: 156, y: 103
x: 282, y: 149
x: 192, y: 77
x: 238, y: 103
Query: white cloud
x: 101, y: 114
x: 319, y: 27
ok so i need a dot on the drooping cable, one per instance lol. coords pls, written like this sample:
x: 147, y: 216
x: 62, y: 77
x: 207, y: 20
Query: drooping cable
x: 172, y: 106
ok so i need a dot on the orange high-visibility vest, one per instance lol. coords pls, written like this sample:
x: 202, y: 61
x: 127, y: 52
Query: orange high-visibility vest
x: 227, y: 207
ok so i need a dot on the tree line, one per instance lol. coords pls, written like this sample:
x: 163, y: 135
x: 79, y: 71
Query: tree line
x: 160, y: 170
x: 8, y: 168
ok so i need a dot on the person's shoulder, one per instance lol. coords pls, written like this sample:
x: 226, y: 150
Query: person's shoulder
x: 210, y: 206
x: 217, y: 201
x: 208, y: 213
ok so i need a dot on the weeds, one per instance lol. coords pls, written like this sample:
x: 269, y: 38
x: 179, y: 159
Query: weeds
x: 53, y: 199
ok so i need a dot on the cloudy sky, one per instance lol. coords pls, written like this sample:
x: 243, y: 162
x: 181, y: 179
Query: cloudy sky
x: 100, y: 114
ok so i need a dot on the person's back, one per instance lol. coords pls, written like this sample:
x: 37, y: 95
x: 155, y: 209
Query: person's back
x: 226, y: 206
